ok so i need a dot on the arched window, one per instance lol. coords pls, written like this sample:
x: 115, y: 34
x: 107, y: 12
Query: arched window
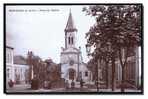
x: 71, y: 40
x: 68, y: 40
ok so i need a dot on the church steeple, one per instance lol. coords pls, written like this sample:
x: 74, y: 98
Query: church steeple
x: 70, y: 32
x: 70, y: 27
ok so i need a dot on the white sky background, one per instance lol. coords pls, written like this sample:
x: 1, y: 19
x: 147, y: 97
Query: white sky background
x: 43, y: 31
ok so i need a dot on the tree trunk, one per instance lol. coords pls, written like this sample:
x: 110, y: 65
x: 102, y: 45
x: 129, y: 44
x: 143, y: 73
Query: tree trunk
x: 97, y: 74
x: 122, y: 83
x: 113, y: 74
x: 123, y: 54
x: 107, y: 83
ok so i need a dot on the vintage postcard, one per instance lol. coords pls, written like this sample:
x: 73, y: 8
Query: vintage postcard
x: 73, y: 48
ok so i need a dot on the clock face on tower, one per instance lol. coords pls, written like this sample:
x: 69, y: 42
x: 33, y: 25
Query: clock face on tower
x: 71, y: 62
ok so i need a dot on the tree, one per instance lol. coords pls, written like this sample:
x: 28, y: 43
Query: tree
x: 34, y: 64
x: 29, y: 62
x: 53, y: 70
x: 117, y: 27
x: 92, y: 65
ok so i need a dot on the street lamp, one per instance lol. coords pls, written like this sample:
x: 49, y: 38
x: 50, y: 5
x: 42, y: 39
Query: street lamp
x: 88, y: 50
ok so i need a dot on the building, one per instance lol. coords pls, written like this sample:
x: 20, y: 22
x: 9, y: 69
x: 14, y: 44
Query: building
x: 72, y: 65
x: 21, y: 70
x: 132, y: 74
x: 16, y: 68
x: 131, y: 71
x: 9, y: 65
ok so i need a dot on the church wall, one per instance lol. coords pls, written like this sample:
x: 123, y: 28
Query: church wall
x: 65, y: 70
x: 65, y: 58
x: 84, y: 69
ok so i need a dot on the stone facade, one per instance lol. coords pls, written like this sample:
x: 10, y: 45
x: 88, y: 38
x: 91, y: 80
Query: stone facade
x: 9, y: 65
x: 15, y: 71
x: 72, y: 65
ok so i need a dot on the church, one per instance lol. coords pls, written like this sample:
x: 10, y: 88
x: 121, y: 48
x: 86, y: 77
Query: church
x: 72, y: 66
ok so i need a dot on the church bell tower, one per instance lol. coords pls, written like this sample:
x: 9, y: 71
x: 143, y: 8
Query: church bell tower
x: 72, y: 66
x: 70, y: 32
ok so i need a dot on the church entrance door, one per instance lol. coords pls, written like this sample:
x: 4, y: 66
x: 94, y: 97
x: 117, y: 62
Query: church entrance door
x: 72, y: 74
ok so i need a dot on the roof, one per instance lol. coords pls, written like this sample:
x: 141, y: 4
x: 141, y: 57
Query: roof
x: 20, y: 60
x: 70, y: 24
x: 9, y: 47
x: 71, y: 50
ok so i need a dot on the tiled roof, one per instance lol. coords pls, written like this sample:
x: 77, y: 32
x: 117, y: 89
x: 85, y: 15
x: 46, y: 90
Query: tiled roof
x: 20, y: 60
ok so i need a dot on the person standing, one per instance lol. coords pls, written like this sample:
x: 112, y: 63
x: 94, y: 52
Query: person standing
x: 10, y: 83
x: 67, y: 84
x: 81, y: 83
x: 72, y: 84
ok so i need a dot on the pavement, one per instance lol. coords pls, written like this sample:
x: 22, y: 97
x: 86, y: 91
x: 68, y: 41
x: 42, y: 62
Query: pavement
x: 27, y: 88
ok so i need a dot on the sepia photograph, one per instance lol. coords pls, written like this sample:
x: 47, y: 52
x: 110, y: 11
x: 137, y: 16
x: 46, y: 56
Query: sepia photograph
x: 73, y: 48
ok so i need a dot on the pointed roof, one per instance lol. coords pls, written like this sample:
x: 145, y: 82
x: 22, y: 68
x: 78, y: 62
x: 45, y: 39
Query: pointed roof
x: 70, y: 24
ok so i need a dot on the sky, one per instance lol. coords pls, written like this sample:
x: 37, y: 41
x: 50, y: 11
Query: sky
x: 41, y: 29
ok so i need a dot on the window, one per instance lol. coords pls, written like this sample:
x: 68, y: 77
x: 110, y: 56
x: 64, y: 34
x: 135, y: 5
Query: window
x: 8, y: 75
x: 72, y: 40
x: 21, y: 73
x: 68, y: 40
x: 10, y: 58
x: 7, y: 58
x: 15, y: 71
x: 86, y: 73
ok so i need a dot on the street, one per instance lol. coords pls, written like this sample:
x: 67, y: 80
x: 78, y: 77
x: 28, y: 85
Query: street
x: 27, y: 88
